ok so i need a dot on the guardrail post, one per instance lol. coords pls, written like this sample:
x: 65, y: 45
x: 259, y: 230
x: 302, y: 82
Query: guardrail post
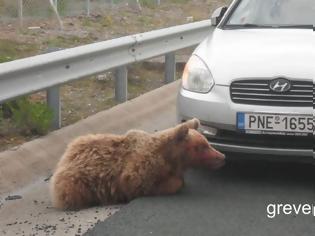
x: 53, y: 101
x: 121, y: 84
x: 170, y: 67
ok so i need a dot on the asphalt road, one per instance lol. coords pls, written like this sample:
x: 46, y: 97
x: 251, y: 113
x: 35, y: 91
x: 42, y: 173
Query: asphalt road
x: 231, y: 201
x: 25, y: 206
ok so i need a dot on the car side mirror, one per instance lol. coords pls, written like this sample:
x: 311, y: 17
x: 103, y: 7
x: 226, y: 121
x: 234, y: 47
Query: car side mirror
x: 218, y: 15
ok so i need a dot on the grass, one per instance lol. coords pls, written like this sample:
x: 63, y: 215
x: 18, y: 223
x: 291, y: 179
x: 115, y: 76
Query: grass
x: 152, y: 3
x: 107, y: 21
x: 97, y: 23
x: 66, y: 41
x: 148, y: 3
x: 31, y: 118
x: 145, y: 20
x: 179, y: 1
x: 87, y: 22
x: 99, y: 94
x: 11, y: 50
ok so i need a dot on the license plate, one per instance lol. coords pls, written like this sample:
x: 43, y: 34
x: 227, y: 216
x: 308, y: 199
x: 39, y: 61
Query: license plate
x: 280, y: 124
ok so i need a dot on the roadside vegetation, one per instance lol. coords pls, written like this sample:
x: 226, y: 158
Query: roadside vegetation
x: 29, y: 117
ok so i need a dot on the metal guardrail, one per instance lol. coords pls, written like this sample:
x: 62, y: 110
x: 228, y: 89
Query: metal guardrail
x: 49, y: 71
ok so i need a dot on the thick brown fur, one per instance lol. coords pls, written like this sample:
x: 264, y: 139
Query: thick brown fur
x: 109, y: 169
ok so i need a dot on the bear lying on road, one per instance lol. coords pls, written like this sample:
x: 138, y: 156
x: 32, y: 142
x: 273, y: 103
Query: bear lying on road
x: 109, y: 169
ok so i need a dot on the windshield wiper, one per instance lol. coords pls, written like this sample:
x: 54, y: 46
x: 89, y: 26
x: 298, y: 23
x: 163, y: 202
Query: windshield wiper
x: 240, y: 26
x: 255, y: 26
x: 296, y: 26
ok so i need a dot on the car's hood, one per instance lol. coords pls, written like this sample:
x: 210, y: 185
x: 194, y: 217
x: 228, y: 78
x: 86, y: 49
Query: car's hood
x: 259, y: 53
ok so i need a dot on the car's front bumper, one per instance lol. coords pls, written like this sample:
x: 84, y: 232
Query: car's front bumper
x: 263, y: 150
x: 216, y: 110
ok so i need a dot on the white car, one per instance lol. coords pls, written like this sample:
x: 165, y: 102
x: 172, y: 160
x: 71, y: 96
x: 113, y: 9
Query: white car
x: 251, y: 82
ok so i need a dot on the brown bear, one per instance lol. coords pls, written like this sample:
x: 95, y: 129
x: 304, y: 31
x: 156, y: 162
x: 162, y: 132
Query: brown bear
x: 110, y: 169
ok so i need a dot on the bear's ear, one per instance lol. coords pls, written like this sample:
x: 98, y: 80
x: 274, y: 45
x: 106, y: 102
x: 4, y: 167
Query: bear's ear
x: 193, y: 123
x: 181, y: 132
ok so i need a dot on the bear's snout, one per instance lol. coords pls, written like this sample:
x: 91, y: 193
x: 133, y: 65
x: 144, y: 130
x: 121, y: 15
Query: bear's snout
x: 216, y: 154
x: 216, y: 159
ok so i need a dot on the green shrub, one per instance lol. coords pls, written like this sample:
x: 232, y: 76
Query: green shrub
x: 107, y: 21
x: 4, y: 59
x: 31, y: 117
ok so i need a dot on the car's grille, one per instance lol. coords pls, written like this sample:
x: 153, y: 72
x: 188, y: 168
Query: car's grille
x: 258, y: 92
x: 313, y: 96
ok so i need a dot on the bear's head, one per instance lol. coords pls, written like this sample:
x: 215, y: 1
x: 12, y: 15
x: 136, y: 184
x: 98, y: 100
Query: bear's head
x: 196, y: 148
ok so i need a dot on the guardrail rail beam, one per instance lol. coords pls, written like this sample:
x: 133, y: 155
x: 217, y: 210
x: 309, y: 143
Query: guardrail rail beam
x: 51, y: 70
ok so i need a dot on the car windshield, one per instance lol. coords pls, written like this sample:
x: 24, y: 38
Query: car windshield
x: 273, y: 13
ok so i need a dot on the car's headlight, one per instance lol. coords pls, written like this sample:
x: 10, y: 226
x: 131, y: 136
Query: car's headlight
x: 197, y: 76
